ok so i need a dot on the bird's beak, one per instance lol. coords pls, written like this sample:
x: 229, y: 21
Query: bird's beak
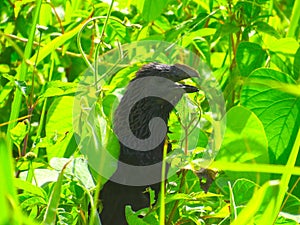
x: 187, y: 88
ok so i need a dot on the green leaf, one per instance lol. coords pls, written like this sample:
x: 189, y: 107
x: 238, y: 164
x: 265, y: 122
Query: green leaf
x: 50, y: 214
x: 278, y: 111
x: 283, y: 45
x: 244, y: 139
x: 109, y: 104
x: 55, y: 43
x: 151, y: 9
x: 42, y: 176
x: 133, y: 217
x: 46, y: 10
x: 28, y: 187
x: 243, y: 191
x: 59, y: 125
x: 247, y: 9
x: 266, y: 28
x: 76, y: 168
x: 65, y: 217
x: 189, y: 37
x: 226, y: 29
x: 21, y: 85
x: 32, y: 202
x: 5, y: 91
x: 203, y: 48
x: 4, y: 68
x: 278, y: 60
x: 97, y: 139
x: 249, y: 56
x: 260, y: 206
x: 116, y: 30
x: 58, y: 88
x: 19, y: 132
x: 296, y: 67
x: 292, y: 206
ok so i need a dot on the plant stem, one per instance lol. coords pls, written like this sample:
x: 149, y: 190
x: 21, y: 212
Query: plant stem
x: 183, y: 175
x: 286, y: 176
x: 16, y: 104
x: 182, y: 181
x: 294, y: 19
x: 162, y: 211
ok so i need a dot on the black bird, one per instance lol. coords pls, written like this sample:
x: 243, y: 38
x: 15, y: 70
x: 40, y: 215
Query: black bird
x: 140, y: 123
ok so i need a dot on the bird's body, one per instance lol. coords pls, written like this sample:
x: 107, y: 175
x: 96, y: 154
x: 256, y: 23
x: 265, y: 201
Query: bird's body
x: 152, y: 94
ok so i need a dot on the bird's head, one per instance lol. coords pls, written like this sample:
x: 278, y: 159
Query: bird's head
x: 154, y: 92
x: 175, y: 73
x: 163, y: 79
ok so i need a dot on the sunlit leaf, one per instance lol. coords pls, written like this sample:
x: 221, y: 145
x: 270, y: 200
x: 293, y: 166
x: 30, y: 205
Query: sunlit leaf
x: 279, y: 112
x: 297, y: 65
x: 59, y: 125
x: 151, y: 9
x: 260, y: 206
x: 249, y: 56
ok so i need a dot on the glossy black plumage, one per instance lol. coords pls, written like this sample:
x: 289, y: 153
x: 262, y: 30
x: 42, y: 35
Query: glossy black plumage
x: 123, y: 188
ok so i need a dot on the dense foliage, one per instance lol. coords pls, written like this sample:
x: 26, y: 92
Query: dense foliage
x: 252, y: 49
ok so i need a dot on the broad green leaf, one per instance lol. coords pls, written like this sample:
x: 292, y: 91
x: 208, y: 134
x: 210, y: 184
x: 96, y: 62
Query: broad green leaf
x: 133, y: 217
x: 151, y: 9
x: 116, y: 30
x: 189, y: 37
x: 287, y: 219
x: 109, y: 104
x: 260, y: 207
x: 283, y: 45
x: 121, y: 78
x: 278, y: 111
x: 59, y: 126
x: 247, y: 10
x: 281, y: 62
x: 55, y: 43
x: 19, y: 132
x: 58, y: 88
x: 42, y: 176
x: 162, y: 24
x: 243, y: 191
x: 266, y: 28
x: 32, y: 202
x: 244, y: 138
x: 226, y: 29
x: 244, y: 141
x: 292, y: 206
x: 203, y: 49
x: 96, y: 138
x: 296, y: 74
x: 249, y: 56
x: 76, y: 168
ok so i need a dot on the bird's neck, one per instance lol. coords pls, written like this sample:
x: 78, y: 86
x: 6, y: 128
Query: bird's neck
x: 139, y: 121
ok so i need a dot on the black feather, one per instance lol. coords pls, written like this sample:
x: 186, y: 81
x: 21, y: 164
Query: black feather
x: 116, y: 195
